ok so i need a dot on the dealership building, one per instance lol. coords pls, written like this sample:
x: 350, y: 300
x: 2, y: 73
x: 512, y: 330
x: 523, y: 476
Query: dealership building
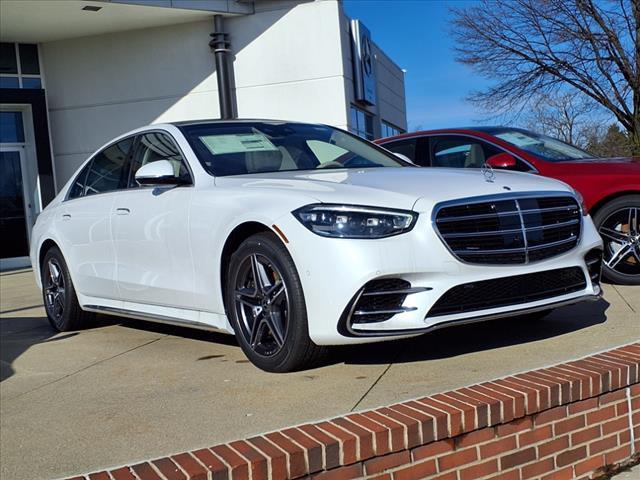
x: 76, y: 73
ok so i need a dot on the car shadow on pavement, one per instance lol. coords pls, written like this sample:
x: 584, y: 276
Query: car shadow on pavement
x: 464, y: 339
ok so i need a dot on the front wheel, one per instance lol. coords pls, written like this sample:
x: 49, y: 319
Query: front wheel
x: 265, y: 304
x: 618, y: 223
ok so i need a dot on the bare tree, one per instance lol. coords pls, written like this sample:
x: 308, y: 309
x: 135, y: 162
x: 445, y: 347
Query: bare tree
x: 533, y: 48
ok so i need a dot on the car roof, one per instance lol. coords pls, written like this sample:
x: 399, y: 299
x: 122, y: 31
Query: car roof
x: 233, y: 120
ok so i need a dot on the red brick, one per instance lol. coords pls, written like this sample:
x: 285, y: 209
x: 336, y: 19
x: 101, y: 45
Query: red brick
x: 457, y: 459
x: 553, y: 446
x: 588, y: 466
x: 622, y: 408
x: 586, y: 435
x: 534, y: 436
x: 169, y: 469
x: 516, y: 426
x: 446, y: 476
x: 453, y: 409
x: 193, y: 468
x: 571, y: 456
x: 532, y: 403
x: 551, y: 415
x: 219, y: 470
x: 508, y: 410
x: 473, y: 438
x: 330, y: 445
x: 582, y: 379
x: 557, y: 383
x: 583, y: 406
x: 616, y: 425
x: 612, y: 397
x: 624, y: 437
x: 626, y: 368
x: 426, y: 421
x: 99, y: 476
x: 432, y: 449
x: 613, y: 373
x: 492, y: 406
x: 276, y: 457
x: 511, y: 475
x: 380, y: 433
x: 571, y: 386
x: 569, y: 425
x: 123, y: 473
x: 632, y: 364
x: 364, y: 436
x: 603, y: 373
x: 312, y: 448
x: 618, y: 455
x: 387, y: 462
x: 257, y: 461
x: 343, y: 473
x: 396, y: 429
x: 517, y: 458
x: 239, y: 467
x: 519, y: 398
x: 564, y: 474
x: 537, y: 469
x: 552, y: 386
x: 602, y: 445
x: 384, y: 476
x: 295, y: 455
x: 601, y: 415
x: 415, y: 471
x: 440, y: 418
x: 479, y: 470
x: 412, y: 426
x: 497, y: 447
x: 144, y: 471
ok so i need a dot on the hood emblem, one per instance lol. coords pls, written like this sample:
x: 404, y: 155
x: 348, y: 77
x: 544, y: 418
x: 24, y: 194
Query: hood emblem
x: 487, y: 171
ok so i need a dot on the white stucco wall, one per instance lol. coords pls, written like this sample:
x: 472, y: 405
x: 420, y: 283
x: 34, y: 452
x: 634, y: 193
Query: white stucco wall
x: 291, y: 61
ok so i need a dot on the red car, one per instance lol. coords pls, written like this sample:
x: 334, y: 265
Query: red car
x: 610, y: 187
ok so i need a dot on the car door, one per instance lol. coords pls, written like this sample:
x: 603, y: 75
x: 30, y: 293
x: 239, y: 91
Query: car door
x: 415, y: 149
x: 83, y: 220
x: 151, y: 231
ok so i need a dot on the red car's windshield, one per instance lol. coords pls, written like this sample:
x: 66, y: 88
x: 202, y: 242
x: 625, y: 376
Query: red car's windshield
x: 541, y: 146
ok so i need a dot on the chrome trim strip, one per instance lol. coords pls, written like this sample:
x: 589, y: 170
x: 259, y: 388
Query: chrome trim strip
x: 513, y: 230
x: 524, y: 249
x: 382, y: 312
x: 504, y: 214
x: 407, y: 291
x: 480, y: 318
x: 147, y: 317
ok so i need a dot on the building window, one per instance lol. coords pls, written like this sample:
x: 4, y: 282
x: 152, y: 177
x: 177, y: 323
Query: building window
x: 361, y: 123
x: 388, y: 130
x: 19, y: 66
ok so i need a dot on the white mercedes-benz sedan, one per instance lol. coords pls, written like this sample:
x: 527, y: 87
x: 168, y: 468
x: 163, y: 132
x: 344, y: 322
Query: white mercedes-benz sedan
x: 296, y: 236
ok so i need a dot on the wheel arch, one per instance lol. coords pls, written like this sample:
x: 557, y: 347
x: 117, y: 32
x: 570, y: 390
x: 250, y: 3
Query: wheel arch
x: 238, y: 235
x: 610, y: 197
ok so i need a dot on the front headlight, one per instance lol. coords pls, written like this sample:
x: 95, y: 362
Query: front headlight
x: 353, y: 221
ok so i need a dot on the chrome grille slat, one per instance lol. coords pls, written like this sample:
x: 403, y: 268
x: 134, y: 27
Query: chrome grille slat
x: 513, y: 228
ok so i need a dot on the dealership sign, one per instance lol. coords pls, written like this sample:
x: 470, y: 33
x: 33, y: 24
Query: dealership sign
x: 363, y: 63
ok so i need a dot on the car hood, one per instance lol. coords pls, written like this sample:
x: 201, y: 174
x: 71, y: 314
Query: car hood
x: 393, y: 187
x: 599, y: 166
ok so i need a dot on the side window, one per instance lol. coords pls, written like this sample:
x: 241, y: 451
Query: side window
x: 460, y: 152
x: 156, y: 146
x: 408, y: 148
x: 77, y: 189
x: 109, y: 169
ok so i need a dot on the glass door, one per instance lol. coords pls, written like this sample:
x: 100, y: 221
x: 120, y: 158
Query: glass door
x: 13, y: 214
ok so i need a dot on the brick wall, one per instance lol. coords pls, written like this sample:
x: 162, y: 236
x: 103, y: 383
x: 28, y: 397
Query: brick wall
x: 580, y: 419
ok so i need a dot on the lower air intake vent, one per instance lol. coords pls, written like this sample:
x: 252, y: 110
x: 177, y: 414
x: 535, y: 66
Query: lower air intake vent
x: 380, y: 300
x: 502, y: 292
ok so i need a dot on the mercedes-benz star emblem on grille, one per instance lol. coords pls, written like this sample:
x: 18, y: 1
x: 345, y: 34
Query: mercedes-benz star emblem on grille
x: 487, y: 171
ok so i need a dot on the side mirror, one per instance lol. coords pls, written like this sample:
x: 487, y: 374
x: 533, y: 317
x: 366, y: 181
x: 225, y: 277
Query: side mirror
x: 501, y: 160
x: 159, y: 172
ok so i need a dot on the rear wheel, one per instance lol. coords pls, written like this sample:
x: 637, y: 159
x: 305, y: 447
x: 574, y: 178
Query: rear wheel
x: 266, y: 306
x: 618, y: 223
x: 59, y: 295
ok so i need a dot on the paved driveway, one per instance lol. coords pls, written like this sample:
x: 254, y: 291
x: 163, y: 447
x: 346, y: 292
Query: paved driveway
x: 125, y: 390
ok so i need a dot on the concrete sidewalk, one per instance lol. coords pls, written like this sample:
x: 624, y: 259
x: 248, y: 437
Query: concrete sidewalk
x: 126, y: 390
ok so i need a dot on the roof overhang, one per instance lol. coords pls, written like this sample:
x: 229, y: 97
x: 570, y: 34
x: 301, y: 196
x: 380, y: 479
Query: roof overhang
x: 35, y: 21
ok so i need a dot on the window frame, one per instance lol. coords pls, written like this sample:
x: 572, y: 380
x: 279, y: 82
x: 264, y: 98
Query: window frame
x: 421, y: 159
x: 134, y: 148
x: 19, y: 75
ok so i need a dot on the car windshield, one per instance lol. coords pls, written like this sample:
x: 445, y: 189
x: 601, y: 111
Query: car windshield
x: 546, y: 148
x: 242, y: 148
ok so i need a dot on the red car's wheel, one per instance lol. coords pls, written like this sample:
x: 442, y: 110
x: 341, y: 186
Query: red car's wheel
x: 618, y: 222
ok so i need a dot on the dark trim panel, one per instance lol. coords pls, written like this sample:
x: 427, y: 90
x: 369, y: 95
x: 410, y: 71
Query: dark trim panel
x: 36, y: 98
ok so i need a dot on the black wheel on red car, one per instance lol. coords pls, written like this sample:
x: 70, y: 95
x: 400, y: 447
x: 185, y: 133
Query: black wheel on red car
x: 618, y: 223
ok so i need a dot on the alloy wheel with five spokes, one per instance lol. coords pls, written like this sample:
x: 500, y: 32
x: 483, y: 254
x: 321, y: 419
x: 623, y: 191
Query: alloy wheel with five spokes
x: 54, y: 290
x: 620, y: 232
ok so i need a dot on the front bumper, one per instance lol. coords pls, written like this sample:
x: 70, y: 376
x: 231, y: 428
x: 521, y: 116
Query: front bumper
x: 334, y: 271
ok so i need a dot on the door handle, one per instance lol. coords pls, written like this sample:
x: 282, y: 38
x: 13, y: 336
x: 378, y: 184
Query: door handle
x: 122, y: 211
x: 66, y: 216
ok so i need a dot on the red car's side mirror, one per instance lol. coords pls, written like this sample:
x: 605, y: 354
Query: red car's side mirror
x: 501, y: 160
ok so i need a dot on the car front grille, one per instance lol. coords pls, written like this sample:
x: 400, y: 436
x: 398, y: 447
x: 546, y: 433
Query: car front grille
x: 510, y: 230
x: 506, y: 291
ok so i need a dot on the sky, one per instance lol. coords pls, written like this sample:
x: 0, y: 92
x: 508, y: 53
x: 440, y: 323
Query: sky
x: 414, y: 33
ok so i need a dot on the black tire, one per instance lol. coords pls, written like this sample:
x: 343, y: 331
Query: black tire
x: 619, y: 228
x: 59, y: 295
x: 260, y: 310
